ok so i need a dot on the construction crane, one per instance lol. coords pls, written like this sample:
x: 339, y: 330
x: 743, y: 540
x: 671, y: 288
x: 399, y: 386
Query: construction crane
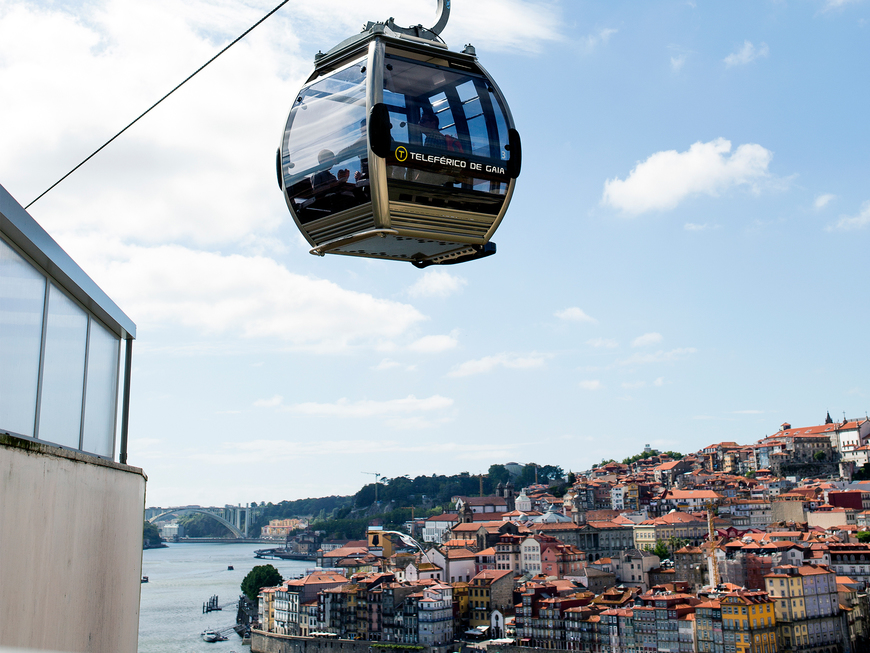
x: 378, y: 477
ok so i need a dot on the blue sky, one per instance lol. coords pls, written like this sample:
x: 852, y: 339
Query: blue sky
x: 684, y: 262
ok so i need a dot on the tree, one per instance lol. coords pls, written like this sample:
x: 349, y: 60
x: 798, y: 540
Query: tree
x: 660, y: 549
x: 498, y: 474
x: 150, y: 534
x: 259, y: 577
x: 676, y: 543
x: 863, y: 537
x: 820, y: 456
x: 572, y: 478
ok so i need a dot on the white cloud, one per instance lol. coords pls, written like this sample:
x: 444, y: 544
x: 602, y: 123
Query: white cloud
x: 848, y: 223
x: 635, y: 385
x: 251, y: 297
x: 678, y: 62
x: 575, y: 314
x: 508, y: 361
x: 274, y: 402
x: 660, y: 356
x: 415, y: 423
x: 601, y: 37
x: 646, y: 340
x: 837, y: 4
x: 437, y: 283
x: 607, y: 343
x: 591, y: 385
x: 823, y: 200
x: 242, y: 452
x: 434, y: 344
x: 197, y: 168
x: 667, y: 178
x: 388, y: 364
x: 659, y: 382
x: 508, y: 25
x: 690, y: 226
x: 747, y: 54
x: 370, y: 408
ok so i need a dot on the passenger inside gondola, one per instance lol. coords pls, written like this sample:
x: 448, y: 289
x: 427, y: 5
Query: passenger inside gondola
x: 429, y: 124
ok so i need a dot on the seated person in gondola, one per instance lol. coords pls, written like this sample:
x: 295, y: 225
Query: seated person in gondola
x: 429, y: 127
x: 324, y: 179
x: 433, y: 138
x: 331, y: 193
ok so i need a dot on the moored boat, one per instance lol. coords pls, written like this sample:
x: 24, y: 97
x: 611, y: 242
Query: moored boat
x: 213, y: 636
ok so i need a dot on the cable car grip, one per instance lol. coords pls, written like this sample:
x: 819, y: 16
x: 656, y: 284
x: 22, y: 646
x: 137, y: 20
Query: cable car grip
x: 443, y: 13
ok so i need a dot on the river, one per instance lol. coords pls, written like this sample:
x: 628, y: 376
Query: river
x: 184, y: 576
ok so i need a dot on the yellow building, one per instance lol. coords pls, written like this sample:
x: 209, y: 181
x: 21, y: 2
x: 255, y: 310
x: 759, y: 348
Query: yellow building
x: 461, y: 592
x: 678, y: 525
x: 807, y: 608
x: 267, y: 609
x: 283, y: 527
x: 749, y: 621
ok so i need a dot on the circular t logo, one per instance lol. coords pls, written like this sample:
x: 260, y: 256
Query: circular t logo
x: 401, y: 154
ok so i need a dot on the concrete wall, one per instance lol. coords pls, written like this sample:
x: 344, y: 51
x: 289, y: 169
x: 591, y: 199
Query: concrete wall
x: 70, y: 549
x: 271, y: 643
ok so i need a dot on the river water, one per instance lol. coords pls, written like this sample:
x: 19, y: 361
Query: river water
x: 184, y: 576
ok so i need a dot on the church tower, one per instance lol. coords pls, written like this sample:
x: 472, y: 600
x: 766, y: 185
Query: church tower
x: 465, y: 513
x: 509, y: 497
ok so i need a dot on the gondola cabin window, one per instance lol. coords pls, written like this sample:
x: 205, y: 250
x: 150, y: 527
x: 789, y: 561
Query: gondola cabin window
x: 325, y: 155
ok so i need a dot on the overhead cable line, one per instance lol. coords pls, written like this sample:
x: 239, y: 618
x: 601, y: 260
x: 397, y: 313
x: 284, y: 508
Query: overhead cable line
x: 144, y: 113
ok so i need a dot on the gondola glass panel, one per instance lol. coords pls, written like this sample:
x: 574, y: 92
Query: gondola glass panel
x: 324, y: 153
x: 449, y: 127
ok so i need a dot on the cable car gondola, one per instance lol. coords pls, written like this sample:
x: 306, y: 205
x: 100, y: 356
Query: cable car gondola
x: 398, y: 148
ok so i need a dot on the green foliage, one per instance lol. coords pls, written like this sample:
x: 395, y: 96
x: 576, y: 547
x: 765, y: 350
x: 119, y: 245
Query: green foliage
x: 660, y: 549
x: 308, y: 508
x: 498, y: 474
x: 676, y: 455
x: 259, y: 577
x: 820, y: 456
x: 676, y: 543
x: 151, y: 534
x: 545, y: 474
x: 572, y: 478
x: 557, y: 491
x: 199, y: 525
x: 863, y: 536
x: 348, y: 517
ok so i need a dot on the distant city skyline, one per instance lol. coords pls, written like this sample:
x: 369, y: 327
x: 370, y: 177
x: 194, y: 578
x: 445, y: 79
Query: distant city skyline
x: 684, y: 261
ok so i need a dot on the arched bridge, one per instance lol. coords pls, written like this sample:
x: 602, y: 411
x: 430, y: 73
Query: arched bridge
x: 203, y: 511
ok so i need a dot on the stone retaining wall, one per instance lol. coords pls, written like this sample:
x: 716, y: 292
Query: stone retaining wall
x: 262, y: 642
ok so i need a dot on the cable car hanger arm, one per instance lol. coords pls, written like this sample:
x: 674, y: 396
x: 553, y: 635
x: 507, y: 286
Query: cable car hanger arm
x: 432, y: 33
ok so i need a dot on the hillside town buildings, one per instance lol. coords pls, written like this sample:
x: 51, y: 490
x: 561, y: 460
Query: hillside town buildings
x: 721, y: 551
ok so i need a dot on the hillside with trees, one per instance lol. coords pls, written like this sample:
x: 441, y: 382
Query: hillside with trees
x: 347, y: 517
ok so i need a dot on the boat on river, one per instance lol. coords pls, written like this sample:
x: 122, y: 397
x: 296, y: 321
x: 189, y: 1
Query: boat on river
x: 213, y: 636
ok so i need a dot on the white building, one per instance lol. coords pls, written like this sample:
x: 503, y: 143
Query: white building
x: 436, y: 526
x: 617, y: 497
x: 530, y: 556
x: 435, y: 616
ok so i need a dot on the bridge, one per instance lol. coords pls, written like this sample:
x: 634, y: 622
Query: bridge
x: 237, y: 519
